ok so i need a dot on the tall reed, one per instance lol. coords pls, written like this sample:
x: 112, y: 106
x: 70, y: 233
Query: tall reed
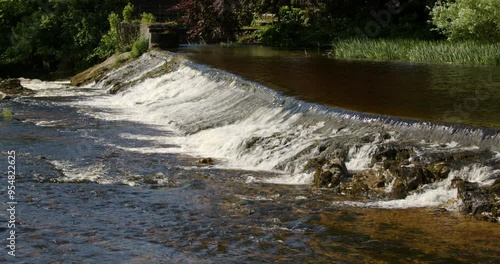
x: 421, y: 51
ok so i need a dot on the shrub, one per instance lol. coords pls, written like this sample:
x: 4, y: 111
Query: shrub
x: 289, y: 32
x: 148, y: 18
x: 139, y: 47
x: 468, y: 19
x: 110, y: 42
x: 127, y: 12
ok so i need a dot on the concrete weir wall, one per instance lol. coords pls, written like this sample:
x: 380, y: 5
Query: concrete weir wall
x: 160, y: 35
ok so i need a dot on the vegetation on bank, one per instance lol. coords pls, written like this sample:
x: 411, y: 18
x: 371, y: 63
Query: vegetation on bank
x: 48, y: 36
x: 420, y: 51
x: 38, y: 38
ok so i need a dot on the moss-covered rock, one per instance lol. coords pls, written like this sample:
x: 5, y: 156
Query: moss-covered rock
x: 97, y: 72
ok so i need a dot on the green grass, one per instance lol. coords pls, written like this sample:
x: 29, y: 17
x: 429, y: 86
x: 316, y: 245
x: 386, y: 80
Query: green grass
x: 420, y: 51
x: 7, y: 113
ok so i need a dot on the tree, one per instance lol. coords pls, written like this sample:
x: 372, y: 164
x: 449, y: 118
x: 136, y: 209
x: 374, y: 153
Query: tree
x: 468, y: 19
x: 209, y: 21
x: 48, y: 35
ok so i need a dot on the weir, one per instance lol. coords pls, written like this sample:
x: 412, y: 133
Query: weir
x: 244, y: 125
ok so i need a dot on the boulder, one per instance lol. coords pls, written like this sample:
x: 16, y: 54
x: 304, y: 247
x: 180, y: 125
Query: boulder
x: 482, y: 203
x: 11, y: 88
x: 206, y: 161
x: 330, y: 173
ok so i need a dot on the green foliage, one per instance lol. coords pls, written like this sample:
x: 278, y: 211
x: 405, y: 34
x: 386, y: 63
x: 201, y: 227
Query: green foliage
x: 139, y: 47
x: 148, y: 18
x: 7, y: 113
x: 110, y: 42
x: 468, y: 52
x: 51, y: 35
x: 289, y: 32
x: 128, y: 12
x: 468, y: 19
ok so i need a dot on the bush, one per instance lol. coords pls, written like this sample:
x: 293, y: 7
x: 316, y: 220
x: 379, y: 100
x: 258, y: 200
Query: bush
x: 139, y: 47
x: 468, y: 19
x: 148, y: 18
x: 110, y: 42
x: 289, y: 32
x: 128, y: 12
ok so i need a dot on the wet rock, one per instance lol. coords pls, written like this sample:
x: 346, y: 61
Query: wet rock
x: 439, y: 170
x: 386, y: 136
x: 11, y: 88
x: 399, y: 189
x: 206, y: 161
x: 483, y: 203
x: 392, y: 153
x: 330, y: 173
x: 251, y: 142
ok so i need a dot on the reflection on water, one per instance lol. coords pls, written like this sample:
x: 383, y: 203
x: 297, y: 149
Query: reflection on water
x: 445, y: 93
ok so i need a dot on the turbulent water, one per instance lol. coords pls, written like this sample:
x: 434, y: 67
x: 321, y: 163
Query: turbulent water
x: 115, y: 176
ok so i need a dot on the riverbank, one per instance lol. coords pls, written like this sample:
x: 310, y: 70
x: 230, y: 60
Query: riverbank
x: 418, y: 51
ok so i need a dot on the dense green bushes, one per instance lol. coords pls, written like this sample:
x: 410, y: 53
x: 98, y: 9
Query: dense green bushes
x: 45, y: 36
x: 468, y: 20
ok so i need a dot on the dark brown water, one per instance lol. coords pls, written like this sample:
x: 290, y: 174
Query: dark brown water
x: 443, y: 93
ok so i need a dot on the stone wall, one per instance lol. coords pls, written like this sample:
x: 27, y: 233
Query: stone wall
x: 160, y: 35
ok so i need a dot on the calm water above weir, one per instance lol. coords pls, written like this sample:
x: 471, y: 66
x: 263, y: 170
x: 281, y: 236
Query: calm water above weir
x: 444, y: 93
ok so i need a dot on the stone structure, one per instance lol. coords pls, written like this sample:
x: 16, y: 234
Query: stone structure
x: 160, y: 35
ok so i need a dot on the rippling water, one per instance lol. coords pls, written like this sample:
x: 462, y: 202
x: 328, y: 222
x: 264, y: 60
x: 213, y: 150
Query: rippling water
x: 115, y: 178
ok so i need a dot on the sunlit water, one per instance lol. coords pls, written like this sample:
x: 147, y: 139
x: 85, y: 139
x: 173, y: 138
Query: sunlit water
x: 115, y: 178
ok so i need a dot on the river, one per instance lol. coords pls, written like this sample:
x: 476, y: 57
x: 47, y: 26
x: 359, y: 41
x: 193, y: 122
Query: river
x: 117, y: 178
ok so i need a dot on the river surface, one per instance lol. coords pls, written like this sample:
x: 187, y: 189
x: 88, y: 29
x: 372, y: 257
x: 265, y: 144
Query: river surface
x: 445, y: 93
x: 105, y: 178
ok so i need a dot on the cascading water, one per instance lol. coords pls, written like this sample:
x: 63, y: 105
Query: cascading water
x: 244, y: 125
x: 119, y: 170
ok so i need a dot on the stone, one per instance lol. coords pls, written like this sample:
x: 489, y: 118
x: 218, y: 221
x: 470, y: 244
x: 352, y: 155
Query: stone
x: 330, y: 174
x: 483, y: 203
x: 12, y: 87
x: 206, y: 161
x: 439, y: 170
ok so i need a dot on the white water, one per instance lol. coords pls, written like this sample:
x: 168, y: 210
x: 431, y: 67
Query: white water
x: 440, y: 193
x: 210, y: 113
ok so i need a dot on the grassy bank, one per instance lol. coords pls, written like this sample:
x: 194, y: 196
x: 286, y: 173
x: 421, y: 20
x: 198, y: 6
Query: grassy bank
x: 469, y: 53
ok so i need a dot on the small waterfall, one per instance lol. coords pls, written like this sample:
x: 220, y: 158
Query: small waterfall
x: 212, y: 113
